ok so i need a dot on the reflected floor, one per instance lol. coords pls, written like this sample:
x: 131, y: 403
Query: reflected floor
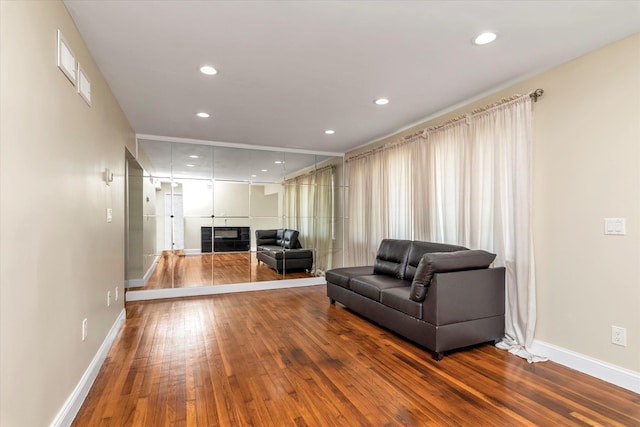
x: 220, y: 268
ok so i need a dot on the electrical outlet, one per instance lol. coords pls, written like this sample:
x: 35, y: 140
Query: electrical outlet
x: 108, y: 298
x: 619, y: 336
x: 116, y: 294
x: 84, y: 329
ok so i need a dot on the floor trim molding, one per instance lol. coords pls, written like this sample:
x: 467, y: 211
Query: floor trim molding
x: 73, y: 403
x: 138, y: 283
x: 222, y: 289
x: 613, y: 374
x: 151, y: 269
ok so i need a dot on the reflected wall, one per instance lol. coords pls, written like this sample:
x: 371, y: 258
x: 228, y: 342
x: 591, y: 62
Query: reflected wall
x: 194, y: 211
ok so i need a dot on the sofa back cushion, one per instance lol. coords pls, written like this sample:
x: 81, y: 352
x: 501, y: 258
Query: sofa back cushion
x: 287, y: 239
x: 441, y: 262
x: 279, y: 234
x: 418, y: 249
x: 391, y: 259
x: 266, y: 237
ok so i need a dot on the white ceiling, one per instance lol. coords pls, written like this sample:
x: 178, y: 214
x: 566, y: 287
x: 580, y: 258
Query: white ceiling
x: 288, y: 70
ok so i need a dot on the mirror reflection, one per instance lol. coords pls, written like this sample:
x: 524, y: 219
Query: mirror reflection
x: 201, y: 215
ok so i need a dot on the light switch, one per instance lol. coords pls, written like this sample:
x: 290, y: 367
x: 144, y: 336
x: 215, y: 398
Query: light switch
x: 615, y: 226
x: 109, y: 215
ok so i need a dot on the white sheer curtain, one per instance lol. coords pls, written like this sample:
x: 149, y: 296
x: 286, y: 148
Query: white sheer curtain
x: 466, y: 183
x: 309, y: 202
x: 325, y: 219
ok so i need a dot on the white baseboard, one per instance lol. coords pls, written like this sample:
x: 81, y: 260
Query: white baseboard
x: 73, y: 403
x: 150, y: 270
x: 613, y: 374
x: 192, y: 252
x: 139, y: 283
x: 222, y: 289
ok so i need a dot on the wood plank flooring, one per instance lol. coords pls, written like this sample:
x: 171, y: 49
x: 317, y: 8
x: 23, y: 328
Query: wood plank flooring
x: 220, y: 268
x: 289, y: 358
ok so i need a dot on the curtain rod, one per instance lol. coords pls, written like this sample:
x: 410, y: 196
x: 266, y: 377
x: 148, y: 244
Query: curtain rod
x: 311, y: 172
x: 534, y: 95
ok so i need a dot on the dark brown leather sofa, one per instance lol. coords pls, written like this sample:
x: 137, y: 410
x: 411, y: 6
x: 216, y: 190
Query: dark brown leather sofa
x: 440, y: 296
x: 281, y: 250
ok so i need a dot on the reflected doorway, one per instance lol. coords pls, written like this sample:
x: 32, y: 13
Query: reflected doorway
x: 173, y: 222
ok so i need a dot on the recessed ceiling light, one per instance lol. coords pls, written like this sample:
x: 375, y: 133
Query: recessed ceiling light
x: 381, y: 101
x: 485, y: 38
x: 208, y: 70
x: 278, y: 162
x: 191, y: 166
x: 253, y: 176
x: 264, y: 170
x: 203, y: 115
x: 329, y: 131
x: 193, y: 156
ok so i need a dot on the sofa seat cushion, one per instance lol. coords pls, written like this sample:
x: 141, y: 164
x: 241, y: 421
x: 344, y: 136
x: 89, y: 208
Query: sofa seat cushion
x: 398, y: 299
x: 443, y: 262
x: 277, y: 252
x: 342, y: 276
x: 370, y: 286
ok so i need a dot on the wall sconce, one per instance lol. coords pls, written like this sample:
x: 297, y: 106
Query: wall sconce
x: 108, y: 176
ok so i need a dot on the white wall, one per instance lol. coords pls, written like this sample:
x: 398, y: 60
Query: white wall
x: 58, y: 255
x: 197, y: 199
x: 231, y: 199
x: 236, y: 205
x: 586, y: 167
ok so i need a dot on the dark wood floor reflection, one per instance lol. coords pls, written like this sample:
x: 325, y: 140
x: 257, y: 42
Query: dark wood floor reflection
x: 288, y: 358
x: 180, y: 271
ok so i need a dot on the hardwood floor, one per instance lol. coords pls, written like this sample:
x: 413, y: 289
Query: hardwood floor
x: 181, y: 271
x: 289, y: 358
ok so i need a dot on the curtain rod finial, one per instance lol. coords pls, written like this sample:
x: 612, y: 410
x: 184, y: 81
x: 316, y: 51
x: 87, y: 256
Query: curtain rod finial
x: 536, y: 94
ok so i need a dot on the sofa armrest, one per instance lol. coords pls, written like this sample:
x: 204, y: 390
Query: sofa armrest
x: 290, y: 239
x: 444, y: 262
x: 465, y: 295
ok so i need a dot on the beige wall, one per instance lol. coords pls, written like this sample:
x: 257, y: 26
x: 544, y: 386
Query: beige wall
x: 58, y: 255
x: 586, y: 167
x: 135, y: 254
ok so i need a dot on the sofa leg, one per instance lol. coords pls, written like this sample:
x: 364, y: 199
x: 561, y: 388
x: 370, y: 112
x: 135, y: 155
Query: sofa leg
x: 437, y: 355
x: 332, y: 301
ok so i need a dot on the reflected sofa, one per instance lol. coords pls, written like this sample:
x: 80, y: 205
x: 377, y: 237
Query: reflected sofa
x: 440, y: 296
x: 281, y: 250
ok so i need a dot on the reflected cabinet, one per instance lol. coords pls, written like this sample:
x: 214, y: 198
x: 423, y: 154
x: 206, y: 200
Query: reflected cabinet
x: 193, y: 212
